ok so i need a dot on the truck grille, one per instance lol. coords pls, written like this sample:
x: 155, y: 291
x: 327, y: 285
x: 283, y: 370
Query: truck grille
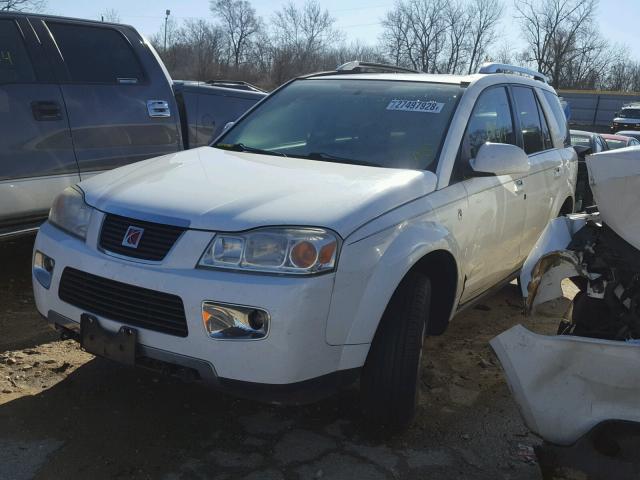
x: 155, y: 241
x: 121, y: 302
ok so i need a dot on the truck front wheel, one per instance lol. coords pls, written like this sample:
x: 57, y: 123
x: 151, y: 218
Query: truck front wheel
x: 390, y: 378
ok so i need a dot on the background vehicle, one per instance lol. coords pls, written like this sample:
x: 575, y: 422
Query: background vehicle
x: 627, y: 118
x: 586, y: 143
x: 321, y: 238
x: 630, y: 133
x: 78, y: 97
x: 619, y: 141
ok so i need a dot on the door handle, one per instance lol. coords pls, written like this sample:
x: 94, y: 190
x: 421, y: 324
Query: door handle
x: 46, y: 110
x: 518, y: 186
x: 158, y: 109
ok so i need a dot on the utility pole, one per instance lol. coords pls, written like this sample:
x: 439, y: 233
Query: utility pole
x: 166, y: 19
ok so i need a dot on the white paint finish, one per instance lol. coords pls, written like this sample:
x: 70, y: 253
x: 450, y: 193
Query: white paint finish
x: 500, y: 159
x: 542, y: 186
x: 494, y: 221
x: 566, y: 385
x: 615, y: 181
x: 295, y: 349
x: 218, y: 190
x: 389, y: 220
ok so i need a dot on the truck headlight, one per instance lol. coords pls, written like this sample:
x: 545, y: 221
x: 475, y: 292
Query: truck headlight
x: 70, y: 213
x: 300, y: 251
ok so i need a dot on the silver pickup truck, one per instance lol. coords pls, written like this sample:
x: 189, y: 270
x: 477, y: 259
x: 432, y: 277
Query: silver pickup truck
x: 78, y: 97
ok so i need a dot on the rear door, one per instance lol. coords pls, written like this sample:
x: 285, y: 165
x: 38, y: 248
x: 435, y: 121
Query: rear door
x: 119, y: 99
x: 36, y: 154
x: 543, y: 182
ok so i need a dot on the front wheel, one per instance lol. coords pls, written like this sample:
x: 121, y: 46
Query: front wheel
x: 390, y: 379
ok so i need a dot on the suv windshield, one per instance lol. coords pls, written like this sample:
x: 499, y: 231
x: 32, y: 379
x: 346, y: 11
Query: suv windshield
x: 382, y: 123
x: 630, y: 113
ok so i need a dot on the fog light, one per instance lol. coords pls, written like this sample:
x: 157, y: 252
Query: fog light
x: 43, y: 268
x: 229, y: 322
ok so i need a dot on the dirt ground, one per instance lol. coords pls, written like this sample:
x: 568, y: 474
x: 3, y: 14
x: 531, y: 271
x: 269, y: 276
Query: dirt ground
x: 65, y: 414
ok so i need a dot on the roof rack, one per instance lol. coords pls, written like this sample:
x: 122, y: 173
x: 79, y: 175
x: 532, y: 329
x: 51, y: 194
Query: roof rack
x: 357, y: 66
x: 236, y: 84
x: 490, y: 67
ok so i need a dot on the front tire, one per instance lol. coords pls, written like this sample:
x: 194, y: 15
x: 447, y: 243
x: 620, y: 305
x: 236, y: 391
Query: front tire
x: 390, y: 379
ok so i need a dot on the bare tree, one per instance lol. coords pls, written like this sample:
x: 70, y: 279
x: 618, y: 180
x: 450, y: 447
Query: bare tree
x: 240, y: 22
x: 23, y: 5
x: 484, y: 16
x: 300, y: 37
x: 111, y: 15
x: 203, y: 47
x: 557, y: 32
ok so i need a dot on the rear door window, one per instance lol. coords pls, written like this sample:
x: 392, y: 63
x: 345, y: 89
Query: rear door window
x: 96, y: 54
x: 15, y: 64
x: 559, y: 115
x: 530, y: 125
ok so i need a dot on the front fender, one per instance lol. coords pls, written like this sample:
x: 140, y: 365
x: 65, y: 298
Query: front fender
x: 371, y: 268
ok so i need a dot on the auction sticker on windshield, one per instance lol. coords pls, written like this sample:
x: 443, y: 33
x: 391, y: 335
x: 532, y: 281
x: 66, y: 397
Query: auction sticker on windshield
x: 415, y: 106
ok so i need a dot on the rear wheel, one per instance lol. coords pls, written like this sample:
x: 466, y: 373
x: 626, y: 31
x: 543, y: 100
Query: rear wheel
x: 390, y: 378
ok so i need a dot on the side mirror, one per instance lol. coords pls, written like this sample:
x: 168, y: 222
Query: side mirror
x: 500, y: 159
x: 227, y: 126
x: 582, y: 151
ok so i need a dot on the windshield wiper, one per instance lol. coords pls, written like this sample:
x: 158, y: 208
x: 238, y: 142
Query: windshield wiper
x: 241, y: 147
x: 328, y: 157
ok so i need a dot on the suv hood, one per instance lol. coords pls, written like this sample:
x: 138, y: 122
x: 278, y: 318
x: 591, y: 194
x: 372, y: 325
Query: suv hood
x: 212, y: 189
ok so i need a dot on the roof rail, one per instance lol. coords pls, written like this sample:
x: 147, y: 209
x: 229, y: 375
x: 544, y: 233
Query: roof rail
x: 357, y: 66
x: 490, y: 67
x: 237, y: 84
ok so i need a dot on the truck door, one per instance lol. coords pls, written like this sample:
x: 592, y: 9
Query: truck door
x: 118, y: 97
x: 496, y: 206
x: 36, y: 154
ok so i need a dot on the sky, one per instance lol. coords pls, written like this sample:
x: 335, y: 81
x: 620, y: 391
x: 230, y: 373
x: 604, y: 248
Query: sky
x: 358, y: 19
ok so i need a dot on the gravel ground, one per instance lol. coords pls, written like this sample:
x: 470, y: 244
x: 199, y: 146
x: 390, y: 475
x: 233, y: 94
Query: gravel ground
x: 66, y: 414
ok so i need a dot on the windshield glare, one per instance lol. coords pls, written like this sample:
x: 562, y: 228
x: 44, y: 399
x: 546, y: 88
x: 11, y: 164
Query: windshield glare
x: 381, y: 123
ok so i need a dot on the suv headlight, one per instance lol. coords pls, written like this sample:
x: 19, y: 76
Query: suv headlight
x: 70, y: 212
x: 301, y: 251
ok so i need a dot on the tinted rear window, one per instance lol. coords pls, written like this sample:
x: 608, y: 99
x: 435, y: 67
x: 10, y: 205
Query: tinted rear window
x: 96, y: 55
x: 15, y: 65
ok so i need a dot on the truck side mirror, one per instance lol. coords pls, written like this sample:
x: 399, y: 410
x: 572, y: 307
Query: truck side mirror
x: 500, y: 159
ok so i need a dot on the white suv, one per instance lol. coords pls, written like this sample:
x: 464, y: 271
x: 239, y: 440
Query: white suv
x: 319, y: 239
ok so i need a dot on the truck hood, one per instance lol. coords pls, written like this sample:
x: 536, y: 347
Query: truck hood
x: 213, y: 189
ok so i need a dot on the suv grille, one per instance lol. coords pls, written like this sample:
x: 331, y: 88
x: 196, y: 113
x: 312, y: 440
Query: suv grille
x: 135, y: 306
x: 155, y: 242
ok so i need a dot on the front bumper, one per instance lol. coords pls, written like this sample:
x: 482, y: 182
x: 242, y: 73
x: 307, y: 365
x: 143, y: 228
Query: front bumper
x: 624, y: 126
x: 295, y: 350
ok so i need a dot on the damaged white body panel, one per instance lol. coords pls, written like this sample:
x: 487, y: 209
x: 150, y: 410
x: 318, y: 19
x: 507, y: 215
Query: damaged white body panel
x: 549, y: 262
x: 615, y: 181
x: 565, y: 385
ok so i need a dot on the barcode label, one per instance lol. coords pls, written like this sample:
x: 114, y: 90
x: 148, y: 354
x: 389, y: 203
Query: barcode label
x: 430, y: 106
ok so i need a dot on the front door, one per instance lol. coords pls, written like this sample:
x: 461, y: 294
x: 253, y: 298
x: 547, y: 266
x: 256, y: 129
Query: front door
x: 496, y: 203
x: 36, y: 154
x: 114, y: 91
